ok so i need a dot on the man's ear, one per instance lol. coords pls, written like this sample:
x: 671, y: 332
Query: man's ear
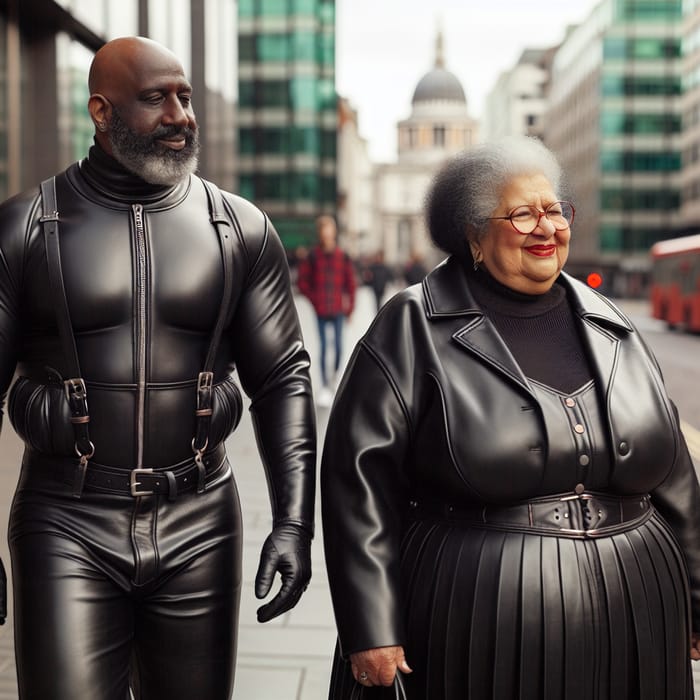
x: 100, y: 109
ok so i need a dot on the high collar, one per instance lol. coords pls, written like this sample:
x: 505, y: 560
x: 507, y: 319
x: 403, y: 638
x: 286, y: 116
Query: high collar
x: 109, y: 177
x: 447, y: 293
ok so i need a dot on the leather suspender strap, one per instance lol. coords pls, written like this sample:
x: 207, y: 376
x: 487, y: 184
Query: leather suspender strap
x: 205, y: 381
x: 74, y: 387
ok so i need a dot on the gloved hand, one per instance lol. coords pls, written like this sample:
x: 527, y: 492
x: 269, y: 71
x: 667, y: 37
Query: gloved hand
x: 3, y: 594
x: 287, y: 549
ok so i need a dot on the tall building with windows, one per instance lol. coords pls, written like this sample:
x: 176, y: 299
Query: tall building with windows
x: 287, y: 115
x: 614, y: 119
x: 45, y: 51
x: 518, y: 100
x: 690, y: 182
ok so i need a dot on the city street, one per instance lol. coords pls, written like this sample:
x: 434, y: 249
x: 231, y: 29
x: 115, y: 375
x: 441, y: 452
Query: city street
x: 289, y: 658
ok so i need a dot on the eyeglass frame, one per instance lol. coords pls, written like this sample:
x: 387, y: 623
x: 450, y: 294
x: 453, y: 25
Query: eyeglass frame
x: 540, y: 214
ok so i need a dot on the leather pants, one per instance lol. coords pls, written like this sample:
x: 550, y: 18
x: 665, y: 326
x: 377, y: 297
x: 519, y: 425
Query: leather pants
x: 111, y: 590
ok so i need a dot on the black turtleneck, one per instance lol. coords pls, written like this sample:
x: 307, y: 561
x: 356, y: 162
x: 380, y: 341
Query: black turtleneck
x: 539, y: 330
x: 109, y: 177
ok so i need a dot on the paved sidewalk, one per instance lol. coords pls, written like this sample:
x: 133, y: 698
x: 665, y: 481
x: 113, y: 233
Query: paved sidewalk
x: 288, y: 658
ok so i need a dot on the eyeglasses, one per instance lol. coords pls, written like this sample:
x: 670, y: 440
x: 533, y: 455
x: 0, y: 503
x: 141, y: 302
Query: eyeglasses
x: 525, y: 219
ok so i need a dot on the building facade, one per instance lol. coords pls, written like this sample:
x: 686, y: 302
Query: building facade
x: 614, y: 119
x: 690, y: 145
x: 518, y: 101
x: 287, y: 115
x: 46, y: 47
x: 439, y: 126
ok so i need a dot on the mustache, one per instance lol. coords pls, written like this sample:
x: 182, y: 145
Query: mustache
x: 164, y: 132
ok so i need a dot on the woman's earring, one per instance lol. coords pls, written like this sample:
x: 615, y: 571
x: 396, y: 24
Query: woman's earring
x: 476, y: 264
x: 476, y: 255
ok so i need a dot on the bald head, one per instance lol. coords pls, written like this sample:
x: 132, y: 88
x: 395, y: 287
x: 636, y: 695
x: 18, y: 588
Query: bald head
x: 126, y: 59
x: 141, y: 105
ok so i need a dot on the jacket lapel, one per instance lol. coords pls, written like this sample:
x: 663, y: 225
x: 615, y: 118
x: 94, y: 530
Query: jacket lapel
x: 448, y: 298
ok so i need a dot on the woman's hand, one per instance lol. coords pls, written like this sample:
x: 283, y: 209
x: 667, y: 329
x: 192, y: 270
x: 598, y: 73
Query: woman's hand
x: 378, y: 666
x: 695, y: 646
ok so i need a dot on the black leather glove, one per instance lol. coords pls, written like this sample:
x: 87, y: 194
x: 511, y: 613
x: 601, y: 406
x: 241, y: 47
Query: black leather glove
x: 287, y: 549
x: 3, y: 594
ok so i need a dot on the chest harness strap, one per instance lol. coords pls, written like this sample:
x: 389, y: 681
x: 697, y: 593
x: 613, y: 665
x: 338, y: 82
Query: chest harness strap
x: 75, y: 387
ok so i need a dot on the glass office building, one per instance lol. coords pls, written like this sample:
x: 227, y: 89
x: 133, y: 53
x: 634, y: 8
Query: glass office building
x: 615, y: 121
x: 287, y: 114
x: 46, y: 47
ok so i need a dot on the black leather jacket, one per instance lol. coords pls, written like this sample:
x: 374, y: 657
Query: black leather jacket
x: 144, y: 278
x: 433, y: 406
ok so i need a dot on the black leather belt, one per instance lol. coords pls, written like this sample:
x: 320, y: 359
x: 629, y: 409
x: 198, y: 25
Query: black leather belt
x: 582, y: 515
x: 168, y: 481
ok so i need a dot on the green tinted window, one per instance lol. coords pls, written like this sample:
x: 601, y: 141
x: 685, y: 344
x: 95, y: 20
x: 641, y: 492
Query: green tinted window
x: 635, y: 161
x: 246, y: 186
x: 273, y: 47
x: 326, y: 48
x: 619, y: 85
x: 326, y: 92
x: 246, y: 141
x: 303, y: 46
x: 614, y: 199
x: 305, y: 186
x: 273, y: 8
x: 649, y: 9
x: 610, y: 237
x: 263, y: 93
x: 646, y: 48
x: 615, y: 238
x: 246, y: 47
x: 305, y: 6
x: 302, y: 92
x: 624, y: 123
x: 246, y: 8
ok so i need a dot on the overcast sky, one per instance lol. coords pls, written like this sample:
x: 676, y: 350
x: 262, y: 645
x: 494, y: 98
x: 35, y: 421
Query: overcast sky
x: 385, y: 46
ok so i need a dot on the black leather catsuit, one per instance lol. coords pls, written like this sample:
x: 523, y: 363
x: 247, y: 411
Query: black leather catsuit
x: 108, y: 576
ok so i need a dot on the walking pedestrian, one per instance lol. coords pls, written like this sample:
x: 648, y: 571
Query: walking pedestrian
x: 327, y: 278
x: 125, y: 531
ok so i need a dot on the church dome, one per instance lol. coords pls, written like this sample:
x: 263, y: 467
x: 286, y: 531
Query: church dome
x: 439, y: 84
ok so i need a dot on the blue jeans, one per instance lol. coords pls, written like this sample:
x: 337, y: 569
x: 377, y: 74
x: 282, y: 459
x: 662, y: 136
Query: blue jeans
x: 337, y: 324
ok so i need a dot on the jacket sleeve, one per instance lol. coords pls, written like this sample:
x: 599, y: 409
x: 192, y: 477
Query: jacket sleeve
x: 678, y: 501
x: 364, y: 489
x: 15, y: 220
x: 273, y: 367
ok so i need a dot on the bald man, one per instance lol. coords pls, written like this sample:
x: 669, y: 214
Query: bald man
x: 130, y: 291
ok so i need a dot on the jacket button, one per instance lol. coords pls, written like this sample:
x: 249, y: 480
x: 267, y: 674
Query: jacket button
x: 624, y: 448
x: 584, y: 460
x: 579, y: 429
x: 570, y: 402
x: 579, y: 489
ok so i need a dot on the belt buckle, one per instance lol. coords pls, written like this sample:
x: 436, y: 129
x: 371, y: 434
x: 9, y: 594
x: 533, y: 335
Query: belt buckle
x: 134, y: 484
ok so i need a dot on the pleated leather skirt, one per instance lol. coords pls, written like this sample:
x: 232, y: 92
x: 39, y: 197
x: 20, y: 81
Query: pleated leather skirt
x: 505, y: 615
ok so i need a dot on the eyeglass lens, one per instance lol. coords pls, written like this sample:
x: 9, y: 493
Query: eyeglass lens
x: 525, y: 219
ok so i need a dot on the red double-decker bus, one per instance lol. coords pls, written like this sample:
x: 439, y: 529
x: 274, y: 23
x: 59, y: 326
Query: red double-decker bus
x: 675, y: 283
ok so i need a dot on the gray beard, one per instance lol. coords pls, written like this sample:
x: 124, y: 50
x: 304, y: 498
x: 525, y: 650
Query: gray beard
x: 151, y: 161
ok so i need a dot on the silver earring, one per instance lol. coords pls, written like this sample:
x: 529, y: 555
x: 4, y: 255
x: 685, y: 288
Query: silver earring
x: 102, y: 126
x: 476, y: 265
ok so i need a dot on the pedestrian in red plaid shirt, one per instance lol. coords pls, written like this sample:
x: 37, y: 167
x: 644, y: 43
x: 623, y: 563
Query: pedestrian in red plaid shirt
x: 327, y: 278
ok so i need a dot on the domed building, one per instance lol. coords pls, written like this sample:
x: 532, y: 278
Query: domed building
x: 439, y: 124
x: 438, y: 127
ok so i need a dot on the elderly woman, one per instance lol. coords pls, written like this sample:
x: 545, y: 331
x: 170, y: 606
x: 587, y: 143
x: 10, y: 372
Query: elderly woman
x: 509, y: 505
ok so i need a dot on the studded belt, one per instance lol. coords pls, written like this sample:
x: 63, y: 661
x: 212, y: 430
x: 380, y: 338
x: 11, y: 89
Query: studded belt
x: 586, y: 514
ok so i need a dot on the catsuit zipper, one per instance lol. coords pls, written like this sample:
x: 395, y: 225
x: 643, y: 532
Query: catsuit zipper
x: 137, y: 211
